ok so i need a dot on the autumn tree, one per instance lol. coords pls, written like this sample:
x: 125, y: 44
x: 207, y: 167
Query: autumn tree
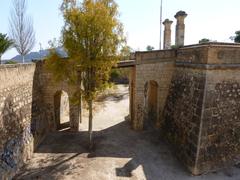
x: 125, y: 52
x: 21, y: 28
x: 5, y: 44
x: 92, y: 36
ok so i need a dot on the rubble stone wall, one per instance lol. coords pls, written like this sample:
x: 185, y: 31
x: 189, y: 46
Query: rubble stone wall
x: 21, y: 115
x: 219, y: 144
x: 27, y: 112
x: 182, y: 113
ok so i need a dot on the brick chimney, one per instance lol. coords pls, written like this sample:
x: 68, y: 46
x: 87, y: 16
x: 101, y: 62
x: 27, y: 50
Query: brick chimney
x: 180, y: 28
x: 167, y: 34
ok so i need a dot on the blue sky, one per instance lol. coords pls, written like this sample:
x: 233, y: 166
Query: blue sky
x: 213, y: 19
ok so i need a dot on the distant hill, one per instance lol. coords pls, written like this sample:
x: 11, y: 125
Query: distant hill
x: 40, y: 55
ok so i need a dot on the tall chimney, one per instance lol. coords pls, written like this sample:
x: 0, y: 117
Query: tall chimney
x: 180, y: 28
x: 167, y: 34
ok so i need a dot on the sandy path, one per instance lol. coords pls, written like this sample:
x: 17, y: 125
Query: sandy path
x: 119, y: 152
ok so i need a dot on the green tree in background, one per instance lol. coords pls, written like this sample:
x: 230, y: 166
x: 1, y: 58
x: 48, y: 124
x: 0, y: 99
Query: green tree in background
x: 92, y: 36
x: 149, y: 48
x: 236, y: 38
x: 204, y: 40
x: 5, y: 44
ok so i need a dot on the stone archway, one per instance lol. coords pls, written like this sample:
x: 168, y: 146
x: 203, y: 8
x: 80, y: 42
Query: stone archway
x: 61, y: 110
x: 151, y: 104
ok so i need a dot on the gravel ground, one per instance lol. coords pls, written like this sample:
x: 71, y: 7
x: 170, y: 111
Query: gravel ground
x: 118, y: 153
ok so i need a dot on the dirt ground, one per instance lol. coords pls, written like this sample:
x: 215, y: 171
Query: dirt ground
x: 119, y: 152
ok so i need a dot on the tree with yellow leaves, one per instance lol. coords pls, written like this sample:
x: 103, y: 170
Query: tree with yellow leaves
x: 92, y: 36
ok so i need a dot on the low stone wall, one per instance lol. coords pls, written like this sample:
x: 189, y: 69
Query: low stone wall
x: 22, y: 115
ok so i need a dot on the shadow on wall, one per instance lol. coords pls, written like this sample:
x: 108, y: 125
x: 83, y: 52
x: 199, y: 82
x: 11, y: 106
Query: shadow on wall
x: 151, y: 104
x: 23, y: 124
x: 40, y: 115
x: 15, y: 134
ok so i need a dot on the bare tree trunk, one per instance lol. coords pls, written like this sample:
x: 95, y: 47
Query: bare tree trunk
x: 80, y: 96
x: 21, y: 28
x: 90, y: 103
x: 0, y: 59
x: 23, y: 59
x: 80, y: 109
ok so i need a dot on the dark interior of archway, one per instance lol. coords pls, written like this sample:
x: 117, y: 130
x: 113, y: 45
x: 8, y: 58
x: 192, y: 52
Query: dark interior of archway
x: 151, y: 104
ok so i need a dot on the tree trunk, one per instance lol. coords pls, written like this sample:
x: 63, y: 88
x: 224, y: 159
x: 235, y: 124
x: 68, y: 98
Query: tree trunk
x: 0, y: 59
x: 23, y: 59
x: 80, y: 96
x: 80, y: 109
x: 90, y: 102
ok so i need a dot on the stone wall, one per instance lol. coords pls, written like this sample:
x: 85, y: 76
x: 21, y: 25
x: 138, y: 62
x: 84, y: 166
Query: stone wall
x: 201, y: 116
x: 219, y: 144
x: 182, y: 114
x: 198, y: 105
x: 50, y: 89
x: 198, y: 102
x: 21, y: 128
x: 155, y: 66
x: 27, y: 112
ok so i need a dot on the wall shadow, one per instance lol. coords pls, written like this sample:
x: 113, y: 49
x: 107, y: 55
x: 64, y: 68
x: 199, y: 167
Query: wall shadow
x: 40, y: 116
x: 14, y: 135
x: 118, y: 141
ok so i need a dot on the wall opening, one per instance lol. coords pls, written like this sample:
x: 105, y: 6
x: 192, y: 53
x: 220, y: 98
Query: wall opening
x: 61, y: 110
x: 151, y: 104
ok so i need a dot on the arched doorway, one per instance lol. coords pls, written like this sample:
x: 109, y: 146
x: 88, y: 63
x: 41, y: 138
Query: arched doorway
x: 151, y: 104
x: 61, y: 110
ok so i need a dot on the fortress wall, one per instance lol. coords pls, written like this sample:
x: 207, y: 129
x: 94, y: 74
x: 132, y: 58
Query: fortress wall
x: 219, y: 145
x: 202, y: 110
x: 182, y: 113
x: 155, y: 66
x: 21, y: 116
x: 183, y: 110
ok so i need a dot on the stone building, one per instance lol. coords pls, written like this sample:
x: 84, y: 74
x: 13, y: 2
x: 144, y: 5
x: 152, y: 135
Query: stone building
x: 190, y: 94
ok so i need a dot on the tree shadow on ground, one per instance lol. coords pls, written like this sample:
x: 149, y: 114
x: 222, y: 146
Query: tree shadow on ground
x: 146, y: 149
x: 118, y: 141
x: 59, y: 165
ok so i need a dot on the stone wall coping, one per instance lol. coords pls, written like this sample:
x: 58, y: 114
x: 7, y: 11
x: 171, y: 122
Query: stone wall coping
x: 154, y: 51
x: 207, y: 66
x: 4, y: 66
x: 212, y: 44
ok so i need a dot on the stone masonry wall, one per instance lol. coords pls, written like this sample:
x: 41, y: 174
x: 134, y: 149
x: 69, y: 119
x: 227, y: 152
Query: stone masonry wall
x: 201, y: 116
x: 220, y: 137
x: 50, y: 89
x: 156, y: 66
x: 20, y: 115
x: 182, y: 113
x: 27, y: 112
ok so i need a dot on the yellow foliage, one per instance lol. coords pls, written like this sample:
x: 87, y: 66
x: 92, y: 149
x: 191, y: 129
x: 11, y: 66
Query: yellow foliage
x: 92, y: 36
